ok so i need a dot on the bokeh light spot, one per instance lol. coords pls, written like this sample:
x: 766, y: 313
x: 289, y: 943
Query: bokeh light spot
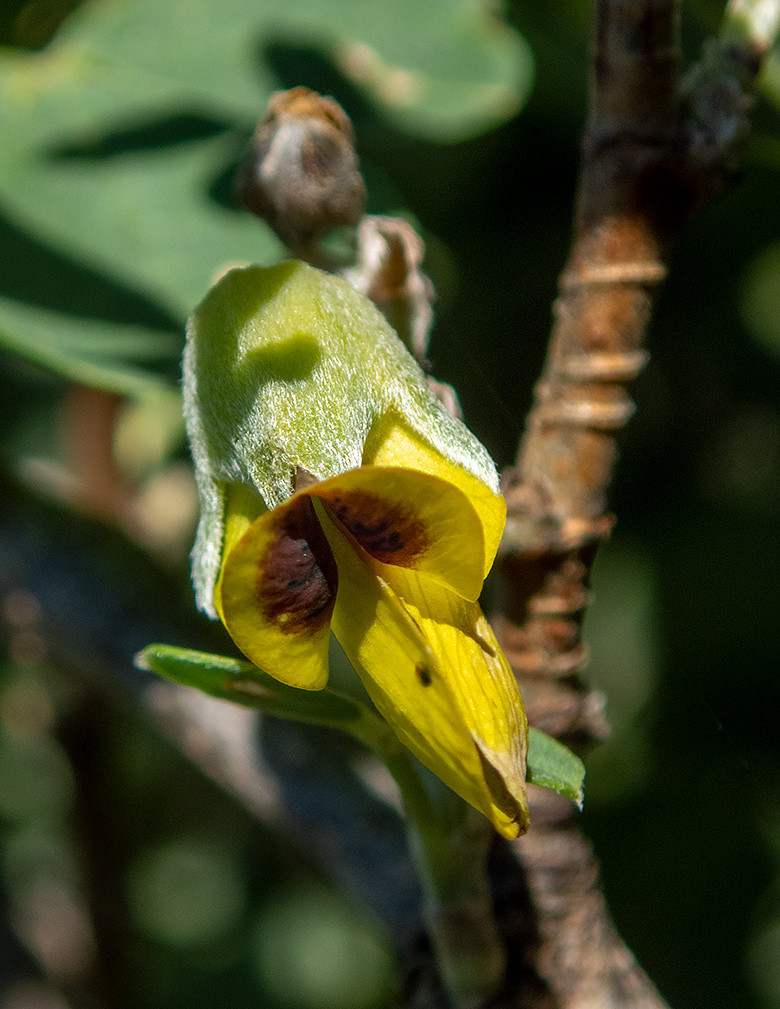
x: 312, y: 951
x: 187, y: 892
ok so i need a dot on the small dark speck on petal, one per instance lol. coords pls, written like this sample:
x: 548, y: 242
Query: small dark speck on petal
x: 423, y: 674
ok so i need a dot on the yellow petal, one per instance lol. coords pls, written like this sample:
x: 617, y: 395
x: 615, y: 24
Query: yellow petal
x: 404, y: 671
x: 412, y: 520
x: 391, y: 443
x: 277, y: 591
x: 479, y: 676
x: 242, y: 506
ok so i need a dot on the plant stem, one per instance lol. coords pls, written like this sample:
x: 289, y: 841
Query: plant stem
x: 449, y: 842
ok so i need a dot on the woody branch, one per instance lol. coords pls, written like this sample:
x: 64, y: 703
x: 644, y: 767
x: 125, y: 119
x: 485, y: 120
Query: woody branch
x: 657, y: 146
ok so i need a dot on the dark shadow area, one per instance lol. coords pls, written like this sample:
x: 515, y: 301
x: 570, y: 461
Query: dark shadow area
x: 30, y: 24
x: 160, y: 134
x: 290, y: 360
x: 38, y: 275
x: 16, y: 964
x: 167, y: 131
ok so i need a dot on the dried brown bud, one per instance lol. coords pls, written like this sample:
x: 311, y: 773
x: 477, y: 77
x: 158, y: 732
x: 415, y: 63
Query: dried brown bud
x: 300, y: 173
x: 388, y: 272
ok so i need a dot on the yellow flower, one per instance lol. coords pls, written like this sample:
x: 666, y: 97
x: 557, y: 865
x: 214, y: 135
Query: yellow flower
x: 389, y: 552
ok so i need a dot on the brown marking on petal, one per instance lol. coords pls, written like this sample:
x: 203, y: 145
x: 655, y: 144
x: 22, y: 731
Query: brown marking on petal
x: 385, y: 529
x: 423, y: 674
x: 296, y: 584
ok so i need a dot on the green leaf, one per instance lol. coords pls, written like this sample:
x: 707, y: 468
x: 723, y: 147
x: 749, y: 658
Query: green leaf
x: 551, y: 765
x: 243, y: 683
x: 120, y: 138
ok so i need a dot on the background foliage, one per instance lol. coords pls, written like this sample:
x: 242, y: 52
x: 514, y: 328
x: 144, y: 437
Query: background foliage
x: 118, y: 141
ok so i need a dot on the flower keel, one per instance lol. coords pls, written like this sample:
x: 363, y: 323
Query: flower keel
x: 433, y: 668
x: 391, y: 561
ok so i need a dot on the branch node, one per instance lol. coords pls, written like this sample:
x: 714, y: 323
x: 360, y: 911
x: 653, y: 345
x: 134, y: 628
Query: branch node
x: 618, y: 366
x: 599, y: 415
x: 649, y: 272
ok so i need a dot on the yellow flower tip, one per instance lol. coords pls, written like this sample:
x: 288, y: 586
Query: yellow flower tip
x: 433, y: 668
x: 508, y: 810
x: 392, y: 443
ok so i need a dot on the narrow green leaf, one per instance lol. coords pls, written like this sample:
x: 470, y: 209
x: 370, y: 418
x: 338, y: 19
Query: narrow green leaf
x: 551, y: 765
x: 242, y: 683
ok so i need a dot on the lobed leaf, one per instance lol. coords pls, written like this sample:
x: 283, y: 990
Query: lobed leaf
x: 120, y: 138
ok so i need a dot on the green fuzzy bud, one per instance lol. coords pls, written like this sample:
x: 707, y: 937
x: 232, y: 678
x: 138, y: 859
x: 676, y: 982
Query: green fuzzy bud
x: 289, y: 369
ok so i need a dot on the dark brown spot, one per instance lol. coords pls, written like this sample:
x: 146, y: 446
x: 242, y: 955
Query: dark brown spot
x: 423, y: 674
x: 385, y: 529
x: 296, y: 586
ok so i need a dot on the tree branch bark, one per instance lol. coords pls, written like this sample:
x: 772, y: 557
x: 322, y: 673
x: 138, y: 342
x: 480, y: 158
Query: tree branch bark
x: 655, y: 149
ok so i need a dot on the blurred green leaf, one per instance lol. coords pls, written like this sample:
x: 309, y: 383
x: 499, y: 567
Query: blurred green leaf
x: 120, y: 137
x: 120, y: 358
x: 551, y: 765
x: 39, y: 850
x: 312, y: 951
x: 35, y: 779
x: 622, y: 635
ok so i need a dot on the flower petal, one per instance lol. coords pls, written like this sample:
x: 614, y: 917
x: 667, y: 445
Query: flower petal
x: 277, y: 592
x: 392, y: 443
x: 412, y: 520
x: 242, y: 505
x: 406, y: 672
x: 479, y: 676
